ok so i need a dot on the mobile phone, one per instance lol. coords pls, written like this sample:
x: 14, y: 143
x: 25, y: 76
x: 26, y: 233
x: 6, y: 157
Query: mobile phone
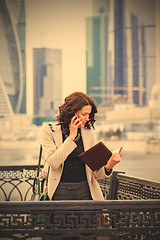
x: 77, y: 117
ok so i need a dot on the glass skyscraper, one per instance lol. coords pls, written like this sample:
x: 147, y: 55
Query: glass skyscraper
x: 47, y: 81
x: 96, y: 51
x: 121, y: 50
x: 132, y: 49
x: 12, y: 57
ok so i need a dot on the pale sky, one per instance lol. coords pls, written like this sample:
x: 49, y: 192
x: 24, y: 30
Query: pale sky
x: 58, y: 24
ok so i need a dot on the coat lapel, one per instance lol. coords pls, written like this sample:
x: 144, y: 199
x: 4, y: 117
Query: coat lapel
x: 85, y: 138
x: 57, y: 135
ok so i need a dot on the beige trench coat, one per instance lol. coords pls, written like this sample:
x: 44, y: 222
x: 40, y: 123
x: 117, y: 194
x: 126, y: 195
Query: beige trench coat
x: 55, y: 152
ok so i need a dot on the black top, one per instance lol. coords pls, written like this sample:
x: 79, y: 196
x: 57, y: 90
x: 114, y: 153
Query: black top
x: 74, y: 167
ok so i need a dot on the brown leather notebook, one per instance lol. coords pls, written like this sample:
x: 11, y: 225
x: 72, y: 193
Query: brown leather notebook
x: 96, y: 156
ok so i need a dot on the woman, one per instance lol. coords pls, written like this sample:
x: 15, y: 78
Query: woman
x: 69, y: 177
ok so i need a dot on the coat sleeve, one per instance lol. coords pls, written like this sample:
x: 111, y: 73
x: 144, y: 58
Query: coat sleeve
x: 55, y: 156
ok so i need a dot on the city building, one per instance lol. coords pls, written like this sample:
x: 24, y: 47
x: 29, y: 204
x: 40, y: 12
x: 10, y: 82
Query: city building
x: 158, y: 42
x: 12, y: 57
x: 132, y: 49
x: 121, y: 50
x: 96, y: 52
x: 47, y: 81
x: 5, y: 104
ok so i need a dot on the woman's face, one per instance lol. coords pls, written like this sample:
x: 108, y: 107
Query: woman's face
x: 84, y: 113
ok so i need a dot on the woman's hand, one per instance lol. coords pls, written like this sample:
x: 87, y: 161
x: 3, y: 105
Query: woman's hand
x: 114, y: 159
x: 74, y: 125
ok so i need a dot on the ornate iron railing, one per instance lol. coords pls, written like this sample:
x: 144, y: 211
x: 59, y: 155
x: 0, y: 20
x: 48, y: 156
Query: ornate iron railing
x: 112, y: 219
x: 122, y: 187
x: 16, y: 185
x: 138, y: 217
x: 16, y: 182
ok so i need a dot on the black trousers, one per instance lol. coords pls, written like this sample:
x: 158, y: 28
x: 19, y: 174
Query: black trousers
x: 72, y: 191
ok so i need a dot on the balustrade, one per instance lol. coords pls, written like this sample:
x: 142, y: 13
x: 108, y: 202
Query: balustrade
x: 131, y: 210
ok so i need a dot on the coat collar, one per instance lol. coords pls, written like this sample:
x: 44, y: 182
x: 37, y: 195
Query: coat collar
x: 54, y: 127
x: 57, y: 135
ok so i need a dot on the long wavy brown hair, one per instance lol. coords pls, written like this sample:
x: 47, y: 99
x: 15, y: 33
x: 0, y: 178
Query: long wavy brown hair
x: 73, y: 103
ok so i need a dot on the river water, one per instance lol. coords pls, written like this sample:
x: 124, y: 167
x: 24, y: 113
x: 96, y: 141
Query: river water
x: 144, y: 166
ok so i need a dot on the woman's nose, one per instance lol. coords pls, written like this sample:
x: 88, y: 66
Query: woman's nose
x: 87, y: 118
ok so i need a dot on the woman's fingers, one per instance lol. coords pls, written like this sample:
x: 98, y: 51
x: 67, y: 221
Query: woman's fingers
x: 114, y: 159
x: 73, y: 118
x: 76, y: 120
x: 74, y: 125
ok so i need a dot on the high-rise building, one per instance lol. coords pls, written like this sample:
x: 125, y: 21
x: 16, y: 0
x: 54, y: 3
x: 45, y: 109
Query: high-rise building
x: 158, y: 40
x: 132, y: 49
x: 12, y: 57
x: 5, y: 105
x: 47, y: 81
x: 96, y: 51
x: 121, y: 50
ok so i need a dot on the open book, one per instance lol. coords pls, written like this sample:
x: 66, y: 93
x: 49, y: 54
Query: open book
x: 96, y: 156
